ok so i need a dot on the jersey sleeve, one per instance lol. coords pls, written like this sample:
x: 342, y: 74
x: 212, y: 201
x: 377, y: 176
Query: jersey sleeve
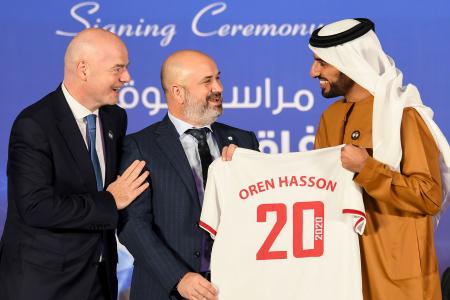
x: 353, y: 204
x: 210, y: 216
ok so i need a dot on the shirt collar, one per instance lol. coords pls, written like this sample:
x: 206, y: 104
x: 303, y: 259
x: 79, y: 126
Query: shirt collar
x: 78, y: 110
x: 181, y: 126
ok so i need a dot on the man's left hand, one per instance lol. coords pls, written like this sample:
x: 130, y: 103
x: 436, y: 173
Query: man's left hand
x: 228, y: 151
x: 353, y: 158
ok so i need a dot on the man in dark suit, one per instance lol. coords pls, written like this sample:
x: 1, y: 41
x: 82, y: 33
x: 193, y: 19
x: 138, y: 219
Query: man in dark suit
x: 58, y: 241
x: 160, y: 228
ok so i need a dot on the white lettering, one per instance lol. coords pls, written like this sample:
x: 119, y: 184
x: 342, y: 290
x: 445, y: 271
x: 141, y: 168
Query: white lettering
x: 140, y: 29
x: 221, y: 7
x: 246, y: 30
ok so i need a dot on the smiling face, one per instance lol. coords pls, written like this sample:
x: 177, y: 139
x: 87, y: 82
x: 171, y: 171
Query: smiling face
x: 95, y: 68
x: 193, y: 88
x: 107, y: 73
x: 332, y: 82
x: 203, y: 93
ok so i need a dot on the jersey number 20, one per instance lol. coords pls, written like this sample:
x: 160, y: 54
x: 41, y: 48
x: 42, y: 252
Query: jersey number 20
x: 280, y: 210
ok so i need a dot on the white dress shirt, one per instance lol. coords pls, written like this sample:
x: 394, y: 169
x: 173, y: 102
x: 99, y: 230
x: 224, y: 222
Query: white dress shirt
x: 80, y: 112
x: 189, y: 144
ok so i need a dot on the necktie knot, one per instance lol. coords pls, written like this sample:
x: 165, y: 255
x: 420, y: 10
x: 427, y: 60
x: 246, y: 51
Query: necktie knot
x: 90, y: 120
x: 198, y: 133
x: 203, y: 149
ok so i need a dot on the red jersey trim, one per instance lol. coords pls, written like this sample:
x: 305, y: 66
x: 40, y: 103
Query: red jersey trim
x: 207, y: 228
x: 361, y: 219
x: 358, y: 222
x: 354, y: 212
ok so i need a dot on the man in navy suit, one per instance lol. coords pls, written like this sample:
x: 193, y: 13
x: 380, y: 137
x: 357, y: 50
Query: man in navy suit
x: 160, y: 228
x: 63, y: 195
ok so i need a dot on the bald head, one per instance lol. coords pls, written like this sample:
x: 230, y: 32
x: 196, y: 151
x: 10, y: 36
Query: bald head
x: 192, y: 86
x: 95, y: 67
x: 180, y: 65
x: 90, y: 44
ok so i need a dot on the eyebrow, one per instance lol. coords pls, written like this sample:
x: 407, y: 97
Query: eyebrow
x: 209, y: 77
x: 121, y: 65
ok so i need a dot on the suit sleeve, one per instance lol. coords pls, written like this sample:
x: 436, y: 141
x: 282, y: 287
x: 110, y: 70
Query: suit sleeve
x: 246, y: 139
x: 136, y: 232
x: 30, y: 185
x: 255, y: 143
x: 417, y: 188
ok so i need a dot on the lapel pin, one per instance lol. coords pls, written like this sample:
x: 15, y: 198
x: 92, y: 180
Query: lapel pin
x: 110, y: 135
x: 230, y: 138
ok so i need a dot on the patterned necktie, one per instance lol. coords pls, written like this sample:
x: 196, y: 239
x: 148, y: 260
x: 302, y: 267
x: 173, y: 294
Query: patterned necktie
x: 205, y: 159
x: 91, y: 130
x: 203, y: 149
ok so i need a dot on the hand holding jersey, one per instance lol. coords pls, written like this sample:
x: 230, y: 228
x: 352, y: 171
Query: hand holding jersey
x: 284, y: 225
x: 194, y: 286
x: 353, y: 158
x: 406, y: 183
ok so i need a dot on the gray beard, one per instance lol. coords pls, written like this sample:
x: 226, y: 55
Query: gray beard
x: 201, y: 113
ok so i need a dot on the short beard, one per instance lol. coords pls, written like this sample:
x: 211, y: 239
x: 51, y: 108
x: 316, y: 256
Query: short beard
x: 201, y: 112
x: 340, y: 87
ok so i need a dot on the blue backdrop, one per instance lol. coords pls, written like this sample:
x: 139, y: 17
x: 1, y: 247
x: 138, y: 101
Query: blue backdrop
x: 261, y: 50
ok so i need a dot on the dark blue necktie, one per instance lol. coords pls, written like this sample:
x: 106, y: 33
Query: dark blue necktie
x: 91, y: 131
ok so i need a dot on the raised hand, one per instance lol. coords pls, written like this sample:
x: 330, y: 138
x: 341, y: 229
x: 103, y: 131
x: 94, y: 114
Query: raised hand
x: 129, y: 185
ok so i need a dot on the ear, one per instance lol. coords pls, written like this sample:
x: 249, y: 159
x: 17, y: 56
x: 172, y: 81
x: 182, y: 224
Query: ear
x: 178, y: 93
x: 82, y: 70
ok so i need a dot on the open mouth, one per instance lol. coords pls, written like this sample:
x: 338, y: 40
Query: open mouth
x: 216, y: 99
x: 116, y: 89
x: 324, y: 83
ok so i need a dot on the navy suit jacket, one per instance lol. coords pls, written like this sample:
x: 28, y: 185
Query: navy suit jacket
x: 160, y: 228
x: 57, y: 221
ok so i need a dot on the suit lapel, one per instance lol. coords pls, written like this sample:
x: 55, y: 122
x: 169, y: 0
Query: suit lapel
x: 169, y: 142
x: 71, y: 134
x: 108, y: 146
x: 223, y: 138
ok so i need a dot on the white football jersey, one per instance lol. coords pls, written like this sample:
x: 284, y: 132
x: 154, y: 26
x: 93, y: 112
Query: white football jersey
x: 285, y: 226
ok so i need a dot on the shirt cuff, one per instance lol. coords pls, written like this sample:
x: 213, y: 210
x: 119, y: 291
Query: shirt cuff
x: 369, y: 172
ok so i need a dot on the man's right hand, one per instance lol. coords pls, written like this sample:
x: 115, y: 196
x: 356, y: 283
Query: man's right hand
x: 194, y: 287
x: 131, y: 184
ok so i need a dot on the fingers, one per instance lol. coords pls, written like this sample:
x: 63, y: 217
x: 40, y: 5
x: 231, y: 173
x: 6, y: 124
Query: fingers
x: 198, y: 297
x: 345, y: 153
x: 194, y: 286
x: 130, y: 169
x: 140, y: 190
x: 224, y: 152
x: 208, y: 289
x: 228, y: 151
x: 126, y: 188
x: 136, y: 171
x: 348, y: 147
x: 138, y: 181
x: 205, y: 291
x: 138, y: 185
x: 353, y: 158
